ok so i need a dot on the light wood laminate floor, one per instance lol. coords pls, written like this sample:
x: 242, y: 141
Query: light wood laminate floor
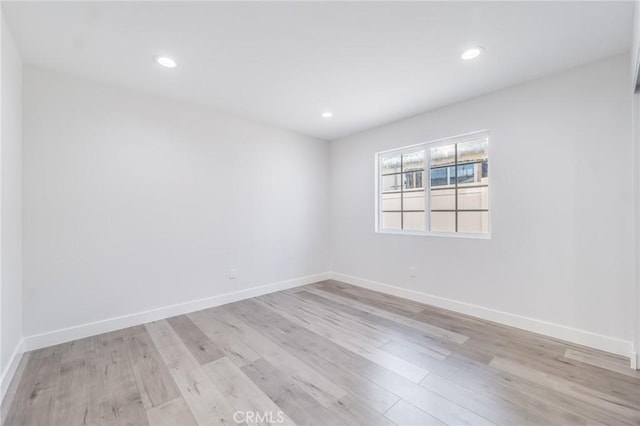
x: 324, y: 354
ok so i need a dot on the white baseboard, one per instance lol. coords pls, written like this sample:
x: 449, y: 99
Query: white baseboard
x: 635, y: 360
x: 10, y: 370
x: 574, y: 335
x: 104, y: 326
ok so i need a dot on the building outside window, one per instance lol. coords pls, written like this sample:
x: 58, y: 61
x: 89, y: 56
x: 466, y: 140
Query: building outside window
x: 453, y: 199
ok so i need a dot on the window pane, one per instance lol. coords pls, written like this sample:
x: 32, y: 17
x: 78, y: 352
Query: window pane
x: 390, y: 163
x: 443, y: 221
x: 473, y: 198
x: 443, y: 155
x: 439, y: 177
x: 443, y: 176
x: 413, y: 200
x: 420, y: 179
x: 409, y: 180
x: 473, y: 151
x: 443, y: 199
x: 469, y: 174
x: 413, y: 160
x: 391, y: 182
x: 414, y: 221
x: 391, y: 201
x: 457, y: 179
x: 414, y: 180
x: 473, y: 222
x: 391, y: 220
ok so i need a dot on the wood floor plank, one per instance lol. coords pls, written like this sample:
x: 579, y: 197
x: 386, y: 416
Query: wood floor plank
x: 389, y: 361
x: 353, y: 411
x: 611, y: 404
x: 198, y: 343
x: 490, y: 337
x: 428, y: 351
x: 35, y: 396
x: 322, y: 320
x: 614, y: 364
x: 12, y: 390
x: 152, y: 375
x: 118, y: 395
x: 428, y: 401
x: 244, y: 395
x: 345, y: 368
x: 394, y: 330
x: 499, y: 336
x: 482, y: 378
x: 319, y: 326
x: 390, y: 303
x: 207, y: 403
x: 406, y: 414
x: 557, y: 407
x: 471, y: 374
x: 301, y: 407
x: 382, y: 333
x: 171, y: 413
x: 487, y: 405
x: 323, y: 390
x: 325, y: 354
x: 400, y: 332
x: 233, y: 347
x: 437, y: 332
x: 334, y: 316
x: 603, y: 380
x: 77, y: 393
x: 362, y: 347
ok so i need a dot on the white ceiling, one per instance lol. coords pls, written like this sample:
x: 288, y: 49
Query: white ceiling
x: 285, y: 63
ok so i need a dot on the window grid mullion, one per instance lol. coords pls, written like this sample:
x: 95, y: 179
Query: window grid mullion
x: 455, y: 174
x: 427, y: 189
x: 402, y: 191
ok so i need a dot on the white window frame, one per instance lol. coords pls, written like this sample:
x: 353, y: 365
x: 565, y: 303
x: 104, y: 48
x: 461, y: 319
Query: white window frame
x: 427, y: 186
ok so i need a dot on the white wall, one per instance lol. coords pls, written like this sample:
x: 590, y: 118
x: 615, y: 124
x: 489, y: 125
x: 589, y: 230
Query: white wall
x: 561, y: 187
x: 10, y: 211
x: 635, y: 68
x: 134, y: 203
x: 635, y: 44
x: 635, y: 357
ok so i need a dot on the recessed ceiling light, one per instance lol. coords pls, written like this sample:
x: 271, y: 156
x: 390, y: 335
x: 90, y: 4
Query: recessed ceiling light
x: 327, y: 114
x: 472, y: 53
x: 166, y: 62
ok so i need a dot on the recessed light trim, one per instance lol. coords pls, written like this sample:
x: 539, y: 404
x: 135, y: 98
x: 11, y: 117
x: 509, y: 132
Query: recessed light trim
x: 327, y: 114
x: 472, y: 53
x: 166, y: 62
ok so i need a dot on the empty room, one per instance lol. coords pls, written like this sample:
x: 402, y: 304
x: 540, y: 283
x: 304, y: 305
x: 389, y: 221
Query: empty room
x: 319, y: 213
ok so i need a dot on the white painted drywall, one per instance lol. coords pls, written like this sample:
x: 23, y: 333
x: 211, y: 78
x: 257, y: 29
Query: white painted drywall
x: 635, y: 68
x: 635, y: 44
x: 636, y: 225
x: 133, y: 202
x: 561, y: 188
x: 11, y: 202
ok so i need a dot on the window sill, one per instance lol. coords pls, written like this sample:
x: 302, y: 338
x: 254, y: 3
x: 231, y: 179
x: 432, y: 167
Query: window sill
x: 437, y: 234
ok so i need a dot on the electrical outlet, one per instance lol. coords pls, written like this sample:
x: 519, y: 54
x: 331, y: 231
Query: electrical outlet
x: 412, y: 271
x: 233, y: 274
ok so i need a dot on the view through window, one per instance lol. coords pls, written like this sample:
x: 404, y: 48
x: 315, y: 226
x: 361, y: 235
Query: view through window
x: 435, y: 188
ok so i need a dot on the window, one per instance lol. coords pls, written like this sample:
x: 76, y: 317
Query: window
x: 453, y: 198
x: 402, y: 198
